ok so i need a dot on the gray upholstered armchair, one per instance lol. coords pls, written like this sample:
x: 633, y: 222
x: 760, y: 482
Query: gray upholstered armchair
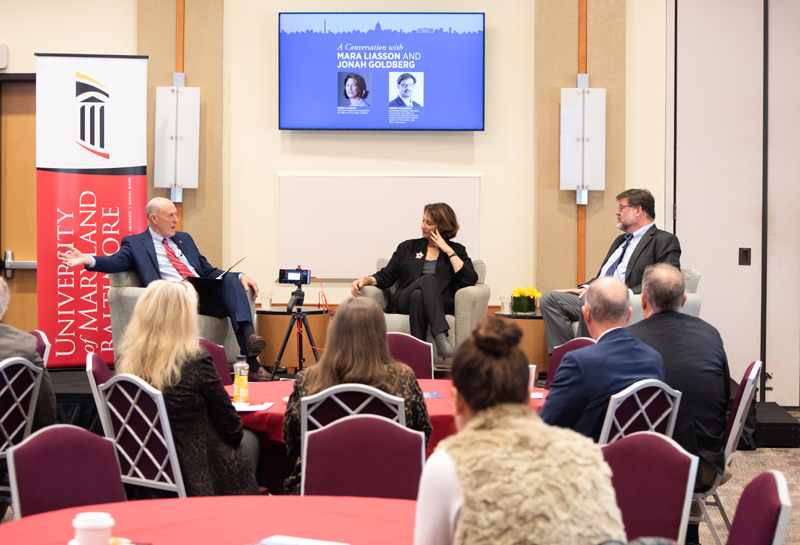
x: 691, y: 278
x: 126, y: 290
x: 471, y: 304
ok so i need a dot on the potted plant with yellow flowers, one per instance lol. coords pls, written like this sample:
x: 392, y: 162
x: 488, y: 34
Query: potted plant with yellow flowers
x: 524, y: 299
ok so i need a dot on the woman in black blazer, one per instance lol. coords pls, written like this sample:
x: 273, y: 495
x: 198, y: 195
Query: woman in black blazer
x: 430, y: 270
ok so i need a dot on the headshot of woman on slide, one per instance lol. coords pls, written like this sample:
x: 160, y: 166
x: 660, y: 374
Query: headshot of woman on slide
x: 430, y: 271
x: 355, y: 88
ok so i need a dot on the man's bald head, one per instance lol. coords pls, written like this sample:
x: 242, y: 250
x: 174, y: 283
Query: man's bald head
x: 608, y: 302
x: 162, y: 216
x: 663, y: 287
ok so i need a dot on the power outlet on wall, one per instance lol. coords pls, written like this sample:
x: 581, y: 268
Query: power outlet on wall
x: 744, y: 256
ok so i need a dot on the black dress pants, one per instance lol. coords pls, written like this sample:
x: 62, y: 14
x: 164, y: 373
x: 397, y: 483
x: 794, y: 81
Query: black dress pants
x: 425, y: 307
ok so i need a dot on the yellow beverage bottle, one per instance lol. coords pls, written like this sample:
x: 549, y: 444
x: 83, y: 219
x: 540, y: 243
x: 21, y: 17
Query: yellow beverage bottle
x: 241, y: 392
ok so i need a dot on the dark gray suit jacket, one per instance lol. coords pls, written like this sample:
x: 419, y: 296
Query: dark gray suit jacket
x: 696, y: 365
x: 656, y: 246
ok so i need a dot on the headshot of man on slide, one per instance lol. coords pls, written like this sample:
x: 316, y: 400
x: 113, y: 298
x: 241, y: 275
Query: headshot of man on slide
x: 405, y: 89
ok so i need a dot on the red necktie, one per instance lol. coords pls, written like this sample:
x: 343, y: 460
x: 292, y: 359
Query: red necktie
x: 182, y: 269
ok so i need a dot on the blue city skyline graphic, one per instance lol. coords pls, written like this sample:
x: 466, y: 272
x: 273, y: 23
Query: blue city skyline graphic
x: 402, y: 23
x: 445, y: 52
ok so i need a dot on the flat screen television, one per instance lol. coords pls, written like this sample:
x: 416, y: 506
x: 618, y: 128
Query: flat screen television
x: 381, y: 71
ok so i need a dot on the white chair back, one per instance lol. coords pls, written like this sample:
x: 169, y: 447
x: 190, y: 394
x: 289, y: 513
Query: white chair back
x: 343, y: 400
x: 735, y: 425
x: 139, y: 426
x: 19, y: 390
x: 647, y: 405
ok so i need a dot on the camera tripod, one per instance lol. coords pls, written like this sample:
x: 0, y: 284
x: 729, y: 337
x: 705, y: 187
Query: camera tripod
x: 299, y: 319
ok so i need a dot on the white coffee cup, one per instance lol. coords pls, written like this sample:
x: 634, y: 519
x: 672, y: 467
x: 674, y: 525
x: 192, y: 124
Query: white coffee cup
x: 92, y: 528
x: 531, y: 377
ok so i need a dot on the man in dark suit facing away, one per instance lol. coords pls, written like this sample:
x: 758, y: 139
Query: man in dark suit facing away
x: 694, y: 364
x: 589, y: 376
x: 161, y: 252
x: 642, y: 244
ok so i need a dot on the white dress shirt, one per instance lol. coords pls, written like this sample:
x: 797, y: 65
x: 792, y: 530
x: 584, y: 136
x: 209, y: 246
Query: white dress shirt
x: 165, y: 267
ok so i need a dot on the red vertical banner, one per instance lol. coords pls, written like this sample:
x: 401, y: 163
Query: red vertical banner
x: 91, y: 181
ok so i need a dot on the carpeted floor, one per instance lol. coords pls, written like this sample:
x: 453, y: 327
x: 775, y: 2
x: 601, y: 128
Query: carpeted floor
x: 746, y: 466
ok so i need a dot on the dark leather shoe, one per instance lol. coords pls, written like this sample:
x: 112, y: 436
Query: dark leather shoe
x: 255, y: 377
x: 255, y: 344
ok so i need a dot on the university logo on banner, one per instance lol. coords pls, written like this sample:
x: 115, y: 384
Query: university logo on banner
x: 91, y: 157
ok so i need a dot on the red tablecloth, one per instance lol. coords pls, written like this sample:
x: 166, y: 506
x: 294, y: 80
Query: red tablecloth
x: 270, y: 422
x: 232, y: 520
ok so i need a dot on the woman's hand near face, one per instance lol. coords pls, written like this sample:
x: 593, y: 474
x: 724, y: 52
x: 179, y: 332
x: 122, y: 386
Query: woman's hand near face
x: 455, y: 261
x: 437, y: 239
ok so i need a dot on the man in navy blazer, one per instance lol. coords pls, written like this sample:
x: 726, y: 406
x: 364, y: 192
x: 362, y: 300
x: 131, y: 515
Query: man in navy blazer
x: 147, y: 254
x: 589, y: 376
x: 642, y: 244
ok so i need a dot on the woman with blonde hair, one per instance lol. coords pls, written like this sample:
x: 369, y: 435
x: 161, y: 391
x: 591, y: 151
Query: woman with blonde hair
x: 357, y: 351
x: 161, y: 346
x: 507, y: 477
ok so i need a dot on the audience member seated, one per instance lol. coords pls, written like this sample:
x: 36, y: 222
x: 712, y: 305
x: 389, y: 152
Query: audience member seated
x: 642, y: 244
x: 357, y: 351
x: 507, y: 477
x: 588, y: 377
x: 430, y: 270
x: 20, y: 344
x: 161, y: 346
x: 694, y: 364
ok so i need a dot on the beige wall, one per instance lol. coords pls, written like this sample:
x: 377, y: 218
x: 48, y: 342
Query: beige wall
x: 202, y: 207
x: 645, y: 102
x: 56, y: 26
x: 557, y: 67
x: 255, y: 150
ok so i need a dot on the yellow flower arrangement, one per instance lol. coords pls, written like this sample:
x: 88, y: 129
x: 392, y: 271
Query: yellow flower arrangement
x: 524, y: 299
x: 530, y: 291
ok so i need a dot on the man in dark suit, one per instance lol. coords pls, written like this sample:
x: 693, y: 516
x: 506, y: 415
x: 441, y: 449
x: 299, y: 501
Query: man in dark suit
x: 642, y: 244
x: 405, y: 88
x: 161, y: 252
x: 694, y: 364
x: 589, y: 376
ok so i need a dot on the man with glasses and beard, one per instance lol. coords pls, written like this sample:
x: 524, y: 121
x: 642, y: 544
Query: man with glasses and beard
x: 642, y: 244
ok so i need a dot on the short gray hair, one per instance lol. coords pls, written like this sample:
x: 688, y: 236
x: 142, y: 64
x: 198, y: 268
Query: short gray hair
x: 608, y: 300
x: 5, y: 296
x: 663, y: 286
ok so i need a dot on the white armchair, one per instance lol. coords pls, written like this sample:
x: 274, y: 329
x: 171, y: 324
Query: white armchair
x: 471, y: 306
x: 691, y: 278
x: 126, y: 290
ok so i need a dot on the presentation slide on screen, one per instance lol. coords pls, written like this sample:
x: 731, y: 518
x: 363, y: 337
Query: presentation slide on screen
x: 403, y: 71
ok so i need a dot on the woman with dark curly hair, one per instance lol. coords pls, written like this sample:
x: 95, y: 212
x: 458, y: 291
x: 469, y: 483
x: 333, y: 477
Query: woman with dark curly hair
x: 507, y: 477
x: 355, y: 88
x: 429, y: 270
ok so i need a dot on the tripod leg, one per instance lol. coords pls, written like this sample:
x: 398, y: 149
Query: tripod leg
x: 283, y: 347
x: 300, y: 317
x: 311, y: 338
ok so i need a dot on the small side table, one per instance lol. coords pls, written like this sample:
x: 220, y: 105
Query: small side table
x: 271, y: 324
x: 533, y: 341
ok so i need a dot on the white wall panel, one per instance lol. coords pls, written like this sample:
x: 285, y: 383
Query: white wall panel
x: 783, y: 244
x: 719, y: 164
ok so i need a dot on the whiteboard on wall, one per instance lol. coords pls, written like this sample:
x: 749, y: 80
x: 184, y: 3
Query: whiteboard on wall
x: 339, y: 225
